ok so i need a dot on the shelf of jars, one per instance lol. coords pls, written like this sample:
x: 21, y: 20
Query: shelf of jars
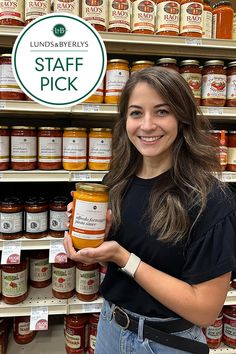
x: 129, y: 43
x: 75, y: 305
x: 27, y: 244
x: 223, y: 349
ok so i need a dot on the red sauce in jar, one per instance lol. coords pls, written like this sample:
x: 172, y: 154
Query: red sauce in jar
x: 231, y: 164
x: 36, y: 217
x: 190, y: 71
x: 229, y: 326
x: 93, y: 323
x: 222, y: 151
x: 35, y: 8
x: 95, y: 12
x: 143, y: 16
x: 75, y: 333
x: 168, y: 63
x: 57, y: 216
x: 4, y: 148
x: 21, y: 330
x: 119, y: 16
x: 223, y: 14
x: 191, y: 19
x: 40, y: 269
x: 63, y: 279
x: 23, y: 148
x: 12, y: 13
x: 231, y: 87
x: 9, y: 89
x: 87, y: 281
x: 214, y: 333
x: 50, y: 148
x: 167, y: 19
x: 11, y: 225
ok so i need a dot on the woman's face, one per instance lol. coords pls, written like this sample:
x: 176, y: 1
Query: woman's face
x: 151, y: 126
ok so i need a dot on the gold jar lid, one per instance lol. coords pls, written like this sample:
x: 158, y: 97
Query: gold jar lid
x: 49, y: 128
x: 3, y: 127
x: 167, y: 60
x: 232, y: 63
x: 5, y: 55
x: 74, y: 128
x: 141, y: 62
x: 100, y: 129
x: 118, y: 61
x: 23, y: 127
x: 92, y: 187
x: 214, y: 62
x: 189, y: 62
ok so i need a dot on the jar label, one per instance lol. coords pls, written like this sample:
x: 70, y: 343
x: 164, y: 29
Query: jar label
x: 14, y: 284
x: 214, y: 86
x: 100, y: 150
x: 40, y: 269
x: 7, y: 79
x: 231, y: 156
x: 4, y: 148
x: 11, y: 222
x: 74, y: 149
x: 12, y: 10
x: 36, y: 222
x: 92, y: 341
x: 194, y: 81
x: 230, y: 330
x: 143, y: 15
x: 115, y: 81
x: 50, y: 149
x: 191, y: 19
x: 72, y: 340
x: 23, y: 328
x: 214, y: 26
x: 231, y: 87
x: 222, y: 154
x: 71, y: 6
x: 119, y: 14
x: 168, y: 16
x: 207, y: 24
x: 87, y: 281
x: 58, y: 220
x: 214, y: 332
x: 23, y: 149
x: 35, y: 8
x: 96, y: 14
x: 234, y: 27
x: 63, y: 280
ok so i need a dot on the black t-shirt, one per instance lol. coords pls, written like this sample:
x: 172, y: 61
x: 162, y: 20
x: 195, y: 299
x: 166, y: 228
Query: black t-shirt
x: 209, y: 253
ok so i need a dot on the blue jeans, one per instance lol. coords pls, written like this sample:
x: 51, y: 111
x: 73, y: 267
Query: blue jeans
x: 112, y: 339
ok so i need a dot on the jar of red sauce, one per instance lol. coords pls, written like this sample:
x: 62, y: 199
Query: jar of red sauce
x: 231, y: 164
x: 95, y: 12
x: 229, y: 326
x: 213, y: 83
x: 119, y: 16
x: 75, y: 333
x: 23, y: 148
x: 4, y: 148
x: 168, y: 63
x: 35, y: 8
x: 36, y: 217
x: 207, y: 20
x: 191, y: 72
x: 12, y: 13
x: 143, y: 16
x: 63, y: 279
x: 14, y: 282
x: 57, y: 216
x: 223, y: 15
x: 214, y: 333
x: 68, y: 6
x: 40, y: 269
x: 231, y: 86
x: 9, y: 89
x: 11, y: 216
x: 87, y: 281
x: 222, y: 151
x: 50, y: 148
x: 93, y: 323
x: 21, y: 330
x: 168, y: 17
x: 191, y: 19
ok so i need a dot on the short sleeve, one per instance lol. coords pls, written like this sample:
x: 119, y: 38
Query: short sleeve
x: 213, y: 254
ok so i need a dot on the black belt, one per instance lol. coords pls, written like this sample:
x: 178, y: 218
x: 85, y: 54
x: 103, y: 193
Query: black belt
x: 160, y: 332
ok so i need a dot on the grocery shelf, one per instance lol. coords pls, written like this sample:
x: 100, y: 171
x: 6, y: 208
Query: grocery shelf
x: 87, y: 176
x: 223, y: 349
x: 32, y: 244
x: 231, y: 297
x: 75, y: 305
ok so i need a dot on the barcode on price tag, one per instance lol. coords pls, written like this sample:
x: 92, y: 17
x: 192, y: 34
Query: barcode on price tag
x: 3, y: 105
x: 193, y: 41
x: 90, y: 108
x: 215, y: 111
x: 39, y: 318
x: 80, y: 176
x: 91, y: 307
x: 11, y: 251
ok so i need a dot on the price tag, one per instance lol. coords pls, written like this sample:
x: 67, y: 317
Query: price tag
x: 91, y: 307
x: 3, y: 105
x: 39, y: 318
x: 1, y: 174
x: 57, y: 252
x: 90, y: 108
x: 227, y: 177
x: 81, y: 176
x: 11, y: 251
x: 218, y: 111
x: 193, y: 41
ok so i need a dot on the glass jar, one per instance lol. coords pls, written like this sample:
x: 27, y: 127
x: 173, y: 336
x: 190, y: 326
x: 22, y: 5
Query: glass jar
x: 167, y: 19
x: 222, y: 152
x: 231, y: 84
x: 4, y: 148
x: 36, y: 217
x: 100, y: 149
x: 140, y: 65
x: 95, y: 12
x: 229, y: 326
x: 74, y: 155
x: 9, y: 89
x: 87, y: 281
x: 21, y: 330
x: 49, y: 148
x: 191, y: 72
x: 65, y: 6
x: 40, y: 269
x: 116, y: 76
x: 234, y: 27
x: 12, y: 13
x: 75, y: 333
x: 207, y: 20
x: 63, y: 279
x: 223, y: 15
x: 191, y: 18
x: 231, y: 163
x: 214, y: 333
x: 169, y: 63
x: 11, y: 216
x: 119, y: 16
x: 97, y: 97
x: 93, y: 323
x: 213, y: 83
x: 143, y: 16
x: 58, y: 217
x: 23, y: 148
x: 35, y: 8
x: 90, y: 202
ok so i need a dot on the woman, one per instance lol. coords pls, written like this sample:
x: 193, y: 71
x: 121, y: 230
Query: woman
x: 171, y: 247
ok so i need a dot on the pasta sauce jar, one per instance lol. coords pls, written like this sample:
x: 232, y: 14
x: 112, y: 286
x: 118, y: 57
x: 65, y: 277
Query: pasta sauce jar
x: 87, y: 281
x: 231, y: 84
x: 229, y: 326
x: 223, y: 15
x: 169, y: 63
x: 49, y: 148
x: 88, y: 221
x: 222, y: 151
x: 119, y: 16
x: 4, y: 147
x: 100, y: 149
x: 231, y: 164
x: 9, y: 89
x: 167, y: 19
x: 21, y: 330
x: 35, y: 8
x: 116, y: 76
x: 68, y: 6
x: 214, y: 333
x: 74, y: 157
x: 207, y: 20
x: 191, y: 20
x: 93, y: 324
x: 58, y: 217
x: 11, y: 217
x: 12, y: 12
x: 143, y: 16
x: 40, y: 269
x: 63, y: 279
x: 75, y: 333
x: 95, y: 12
x: 36, y: 217
x: 190, y: 71
x: 140, y: 65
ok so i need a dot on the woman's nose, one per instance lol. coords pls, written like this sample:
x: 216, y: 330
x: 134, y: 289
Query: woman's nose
x: 148, y: 122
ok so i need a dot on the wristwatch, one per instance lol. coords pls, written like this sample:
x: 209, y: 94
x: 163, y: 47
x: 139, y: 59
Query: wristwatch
x: 132, y: 265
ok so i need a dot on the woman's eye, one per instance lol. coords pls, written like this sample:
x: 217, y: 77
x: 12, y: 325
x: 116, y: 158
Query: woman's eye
x: 162, y: 112
x: 135, y: 113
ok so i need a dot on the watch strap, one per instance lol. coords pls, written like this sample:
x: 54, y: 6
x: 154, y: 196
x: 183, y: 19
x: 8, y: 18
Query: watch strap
x: 132, y: 265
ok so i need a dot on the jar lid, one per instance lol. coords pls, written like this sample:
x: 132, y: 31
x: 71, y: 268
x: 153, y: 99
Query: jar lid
x: 223, y: 2
x: 3, y: 127
x: 189, y: 62
x: 216, y: 131
x: 118, y: 61
x: 11, y: 201
x: 59, y: 200
x: 49, y: 128
x: 74, y: 128
x: 92, y: 187
x: 100, y: 129
x: 23, y: 127
x: 167, y: 60
x: 5, y: 55
x: 35, y: 200
x: 231, y: 63
x: 140, y: 62
x: 214, y: 62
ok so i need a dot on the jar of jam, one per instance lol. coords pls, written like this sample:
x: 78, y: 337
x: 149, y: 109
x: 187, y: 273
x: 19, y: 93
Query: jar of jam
x: 213, y: 83
x: 57, y: 216
x: 100, y: 149
x: 75, y: 333
x: 12, y: 13
x: 167, y: 19
x: 74, y: 155
x: 140, y: 65
x: 36, y: 217
x: 40, y: 269
x: 95, y: 12
x: 169, y: 63
x: 143, y: 17
x: 116, y: 76
x: 87, y: 281
x: 223, y: 15
x: 4, y: 147
x: 9, y: 89
x: 34, y: 9
x: 21, y: 330
x: 191, y: 72
x: 207, y: 20
x: 23, y: 148
x: 222, y: 151
x: 63, y: 279
x: 97, y: 97
x: 49, y: 148
x: 119, y: 16
x: 231, y: 164
x: 90, y: 202
x: 93, y: 323
x: 214, y: 333
x: 229, y: 326
x: 191, y: 19
x: 11, y: 216
x: 231, y: 84
x: 14, y: 282
x: 65, y: 6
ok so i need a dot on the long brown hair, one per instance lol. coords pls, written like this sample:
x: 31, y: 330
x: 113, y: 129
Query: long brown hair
x: 194, y: 158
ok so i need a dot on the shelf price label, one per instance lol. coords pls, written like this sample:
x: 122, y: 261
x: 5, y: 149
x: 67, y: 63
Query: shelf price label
x: 77, y: 176
x: 218, y: 111
x: 57, y: 252
x: 91, y: 308
x: 193, y: 41
x: 90, y: 108
x: 39, y: 318
x: 11, y: 251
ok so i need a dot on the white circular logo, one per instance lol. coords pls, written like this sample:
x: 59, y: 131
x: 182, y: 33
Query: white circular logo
x: 59, y: 60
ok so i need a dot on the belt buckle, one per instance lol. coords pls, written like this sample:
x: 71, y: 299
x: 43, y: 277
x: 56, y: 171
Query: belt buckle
x: 123, y: 313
